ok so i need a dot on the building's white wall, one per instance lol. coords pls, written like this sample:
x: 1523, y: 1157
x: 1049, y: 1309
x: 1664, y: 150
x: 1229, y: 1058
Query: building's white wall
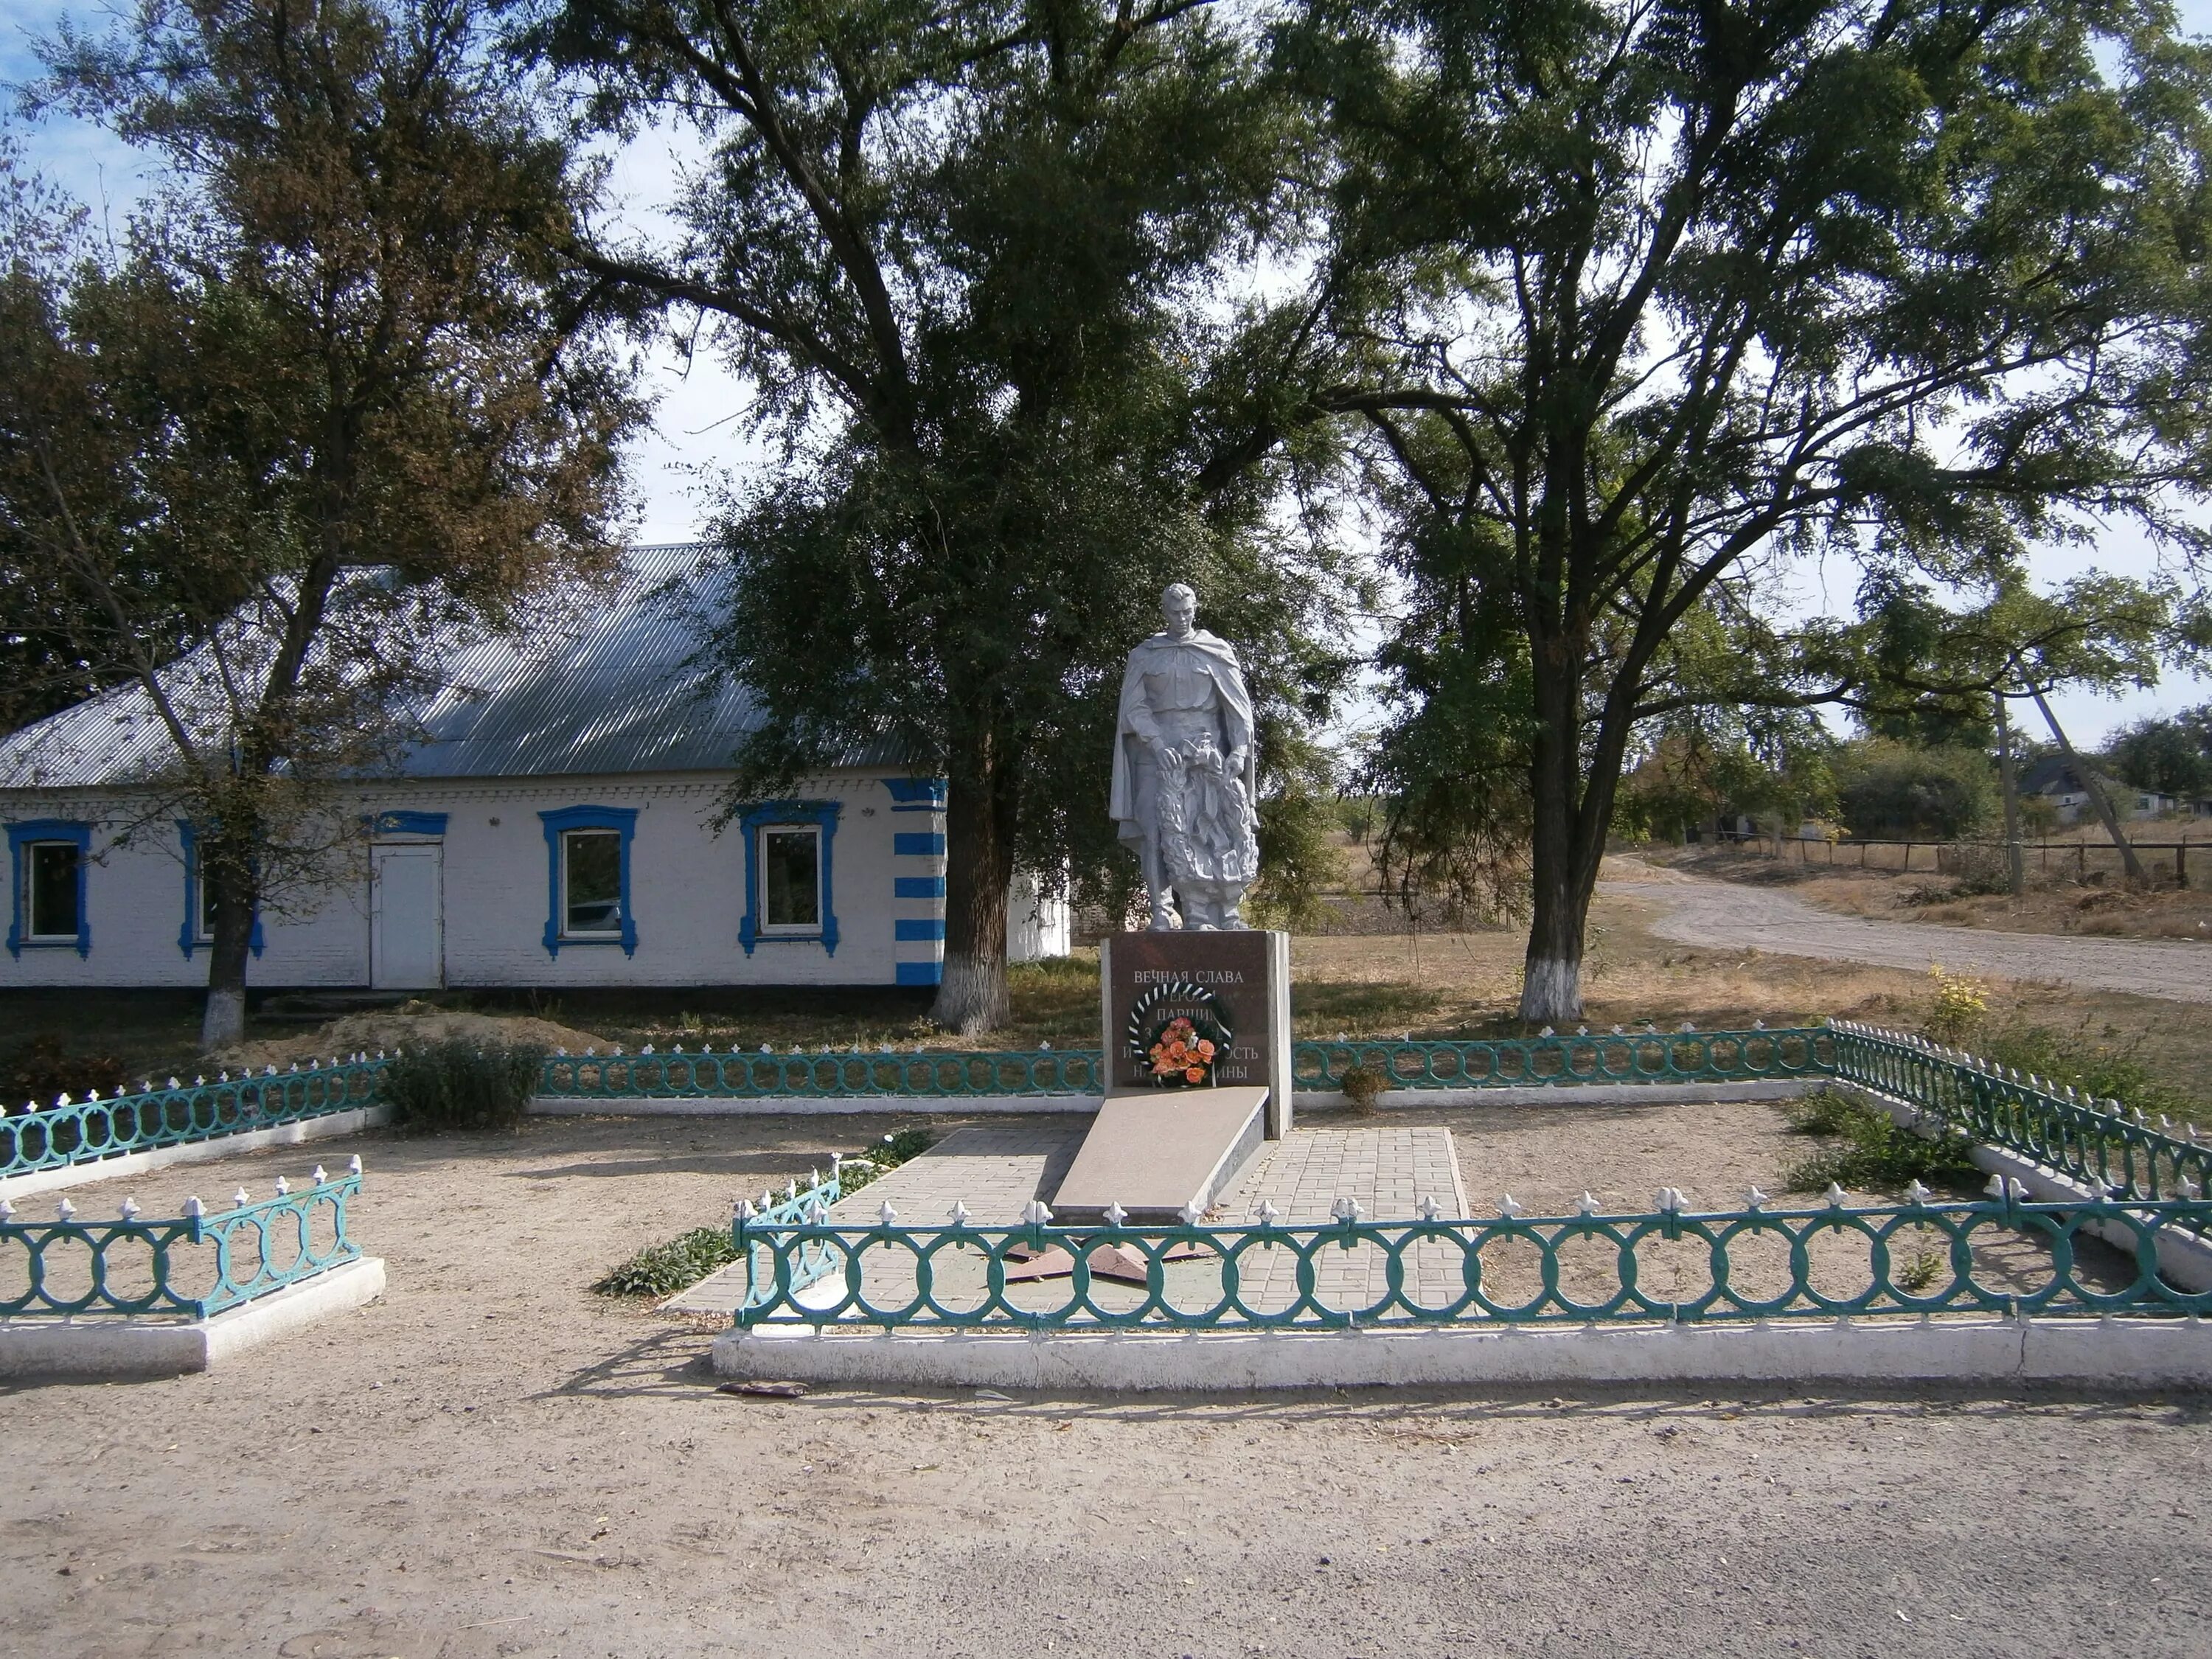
x: 1036, y: 926
x: 687, y: 894
x: 135, y: 899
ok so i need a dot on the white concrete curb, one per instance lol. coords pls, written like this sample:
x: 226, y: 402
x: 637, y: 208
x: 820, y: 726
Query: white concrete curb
x: 2138, y: 1353
x: 197, y: 1151
x: 112, y: 1350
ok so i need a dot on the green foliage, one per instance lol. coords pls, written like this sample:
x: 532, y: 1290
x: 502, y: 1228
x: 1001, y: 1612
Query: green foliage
x: 2168, y: 757
x: 1868, y: 1149
x: 2099, y: 1064
x: 663, y: 1269
x: 326, y: 400
x: 1299, y: 860
x: 1886, y: 791
x: 678, y: 1263
x: 1659, y: 301
x: 873, y: 1163
x: 984, y: 263
x: 459, y: 1085
x: 1773, y: 766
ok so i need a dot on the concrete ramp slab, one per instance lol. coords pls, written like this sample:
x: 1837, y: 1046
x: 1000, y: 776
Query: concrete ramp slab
x: 1160, y: 1152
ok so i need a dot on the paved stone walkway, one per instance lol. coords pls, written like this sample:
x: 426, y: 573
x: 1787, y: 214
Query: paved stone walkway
x: 1724, y: 914
x: 994, y: 1171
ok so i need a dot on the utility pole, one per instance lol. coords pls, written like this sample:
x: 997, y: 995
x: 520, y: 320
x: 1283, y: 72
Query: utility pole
x: 2098, y: 798
x: 2015, y: 870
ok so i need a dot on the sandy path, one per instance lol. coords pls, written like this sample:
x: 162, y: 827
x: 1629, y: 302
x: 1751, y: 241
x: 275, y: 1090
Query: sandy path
x: 492, y: 1461
x: 1716, y: 913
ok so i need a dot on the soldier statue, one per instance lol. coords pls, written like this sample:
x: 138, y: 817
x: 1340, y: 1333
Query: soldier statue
x: 1184, y: 771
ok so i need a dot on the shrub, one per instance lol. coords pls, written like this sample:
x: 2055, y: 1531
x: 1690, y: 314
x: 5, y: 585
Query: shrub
x: 1872, y: 1151
x: 1884, y: 790
x: 1363, y: 1084
x: 2096, y: 1066
x: 1962, y: 1002
x: 458, y: 1085
x: 676, y: 1264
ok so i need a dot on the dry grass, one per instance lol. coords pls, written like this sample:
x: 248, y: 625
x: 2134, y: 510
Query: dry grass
x: 2056, y: 902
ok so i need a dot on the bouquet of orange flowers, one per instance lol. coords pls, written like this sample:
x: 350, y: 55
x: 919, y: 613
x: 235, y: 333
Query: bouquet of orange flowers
x: 1181, y: 1055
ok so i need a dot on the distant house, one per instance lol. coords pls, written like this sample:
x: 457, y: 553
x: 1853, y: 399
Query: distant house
x: 2056, y: 780
x: 558, y: 828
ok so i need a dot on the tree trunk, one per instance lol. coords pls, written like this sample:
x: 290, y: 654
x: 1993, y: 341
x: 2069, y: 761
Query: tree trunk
x: 979, y: 866
x: 2015, y: 869
x: 227, y: 868
x: 2095, y: 791
x: 1551, y: 973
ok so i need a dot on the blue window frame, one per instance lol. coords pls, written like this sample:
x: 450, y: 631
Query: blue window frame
x: 588, y: 889
x: 48, y: 860
x: 777, y: 833
x: 917, y: 794
x: 200, y: 922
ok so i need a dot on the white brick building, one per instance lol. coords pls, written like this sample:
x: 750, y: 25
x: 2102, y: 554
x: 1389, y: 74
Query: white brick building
x: 558, y: 829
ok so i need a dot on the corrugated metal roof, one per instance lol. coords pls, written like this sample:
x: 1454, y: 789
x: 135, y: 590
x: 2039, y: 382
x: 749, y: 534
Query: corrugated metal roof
x: 606, y: 686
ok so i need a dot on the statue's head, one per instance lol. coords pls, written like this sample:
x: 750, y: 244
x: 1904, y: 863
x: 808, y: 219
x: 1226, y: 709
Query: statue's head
x: 1179, y: 605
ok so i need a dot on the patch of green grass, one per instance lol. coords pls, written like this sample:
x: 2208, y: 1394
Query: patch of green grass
x: 663, y: 1269
x: 678, y: 1263
x: 1868, y: 1149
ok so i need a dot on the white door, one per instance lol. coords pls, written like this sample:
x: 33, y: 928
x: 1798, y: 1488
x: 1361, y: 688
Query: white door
x: 406, y: 934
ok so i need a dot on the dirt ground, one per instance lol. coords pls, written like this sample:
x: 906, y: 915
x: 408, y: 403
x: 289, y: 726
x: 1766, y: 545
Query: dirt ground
x: 491, y: 1462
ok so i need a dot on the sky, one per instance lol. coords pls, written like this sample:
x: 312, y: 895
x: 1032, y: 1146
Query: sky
x: 698, y: 430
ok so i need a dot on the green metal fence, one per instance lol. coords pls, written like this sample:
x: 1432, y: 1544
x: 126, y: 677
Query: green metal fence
x: 194, y: 1264
x: 843, y: 1074
x: 1912, y: 1259
x: 2100, y: 1144
x: 89, y: 1131
x: 754, y: 1227
x: 1617, y: 1056
x: 2084, y: 1139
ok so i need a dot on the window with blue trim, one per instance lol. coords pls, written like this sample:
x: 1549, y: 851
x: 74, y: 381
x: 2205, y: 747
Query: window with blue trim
x: 49, y: 859
x: 587, y: 890
x: 789, y: 890
x: 198, y: 928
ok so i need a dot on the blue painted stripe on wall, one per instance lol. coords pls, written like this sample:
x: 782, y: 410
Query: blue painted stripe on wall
x: 921, y: 887
x: 918, y: 930
x: 920, y: 973
x: 917, y: 794
x: 918, y: 844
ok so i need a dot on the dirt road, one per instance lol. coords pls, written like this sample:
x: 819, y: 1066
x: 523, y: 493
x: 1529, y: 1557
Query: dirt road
x: 491, y: 1462
x: 1712, y: 914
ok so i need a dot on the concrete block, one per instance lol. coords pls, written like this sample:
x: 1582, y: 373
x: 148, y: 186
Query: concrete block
x: 123, y: 1350
x: 2138, y: 1353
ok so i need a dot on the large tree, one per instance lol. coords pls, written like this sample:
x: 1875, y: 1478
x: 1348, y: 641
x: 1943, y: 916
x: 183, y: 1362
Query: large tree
x: 1691, y: 289
x: 975, y: 261
x: 326, y: 400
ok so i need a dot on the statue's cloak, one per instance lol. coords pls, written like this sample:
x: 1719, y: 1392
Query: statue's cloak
x: 1218, y: 659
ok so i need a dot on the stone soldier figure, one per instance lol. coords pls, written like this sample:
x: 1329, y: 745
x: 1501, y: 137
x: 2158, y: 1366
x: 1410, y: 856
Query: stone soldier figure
x: 1184, y: 771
